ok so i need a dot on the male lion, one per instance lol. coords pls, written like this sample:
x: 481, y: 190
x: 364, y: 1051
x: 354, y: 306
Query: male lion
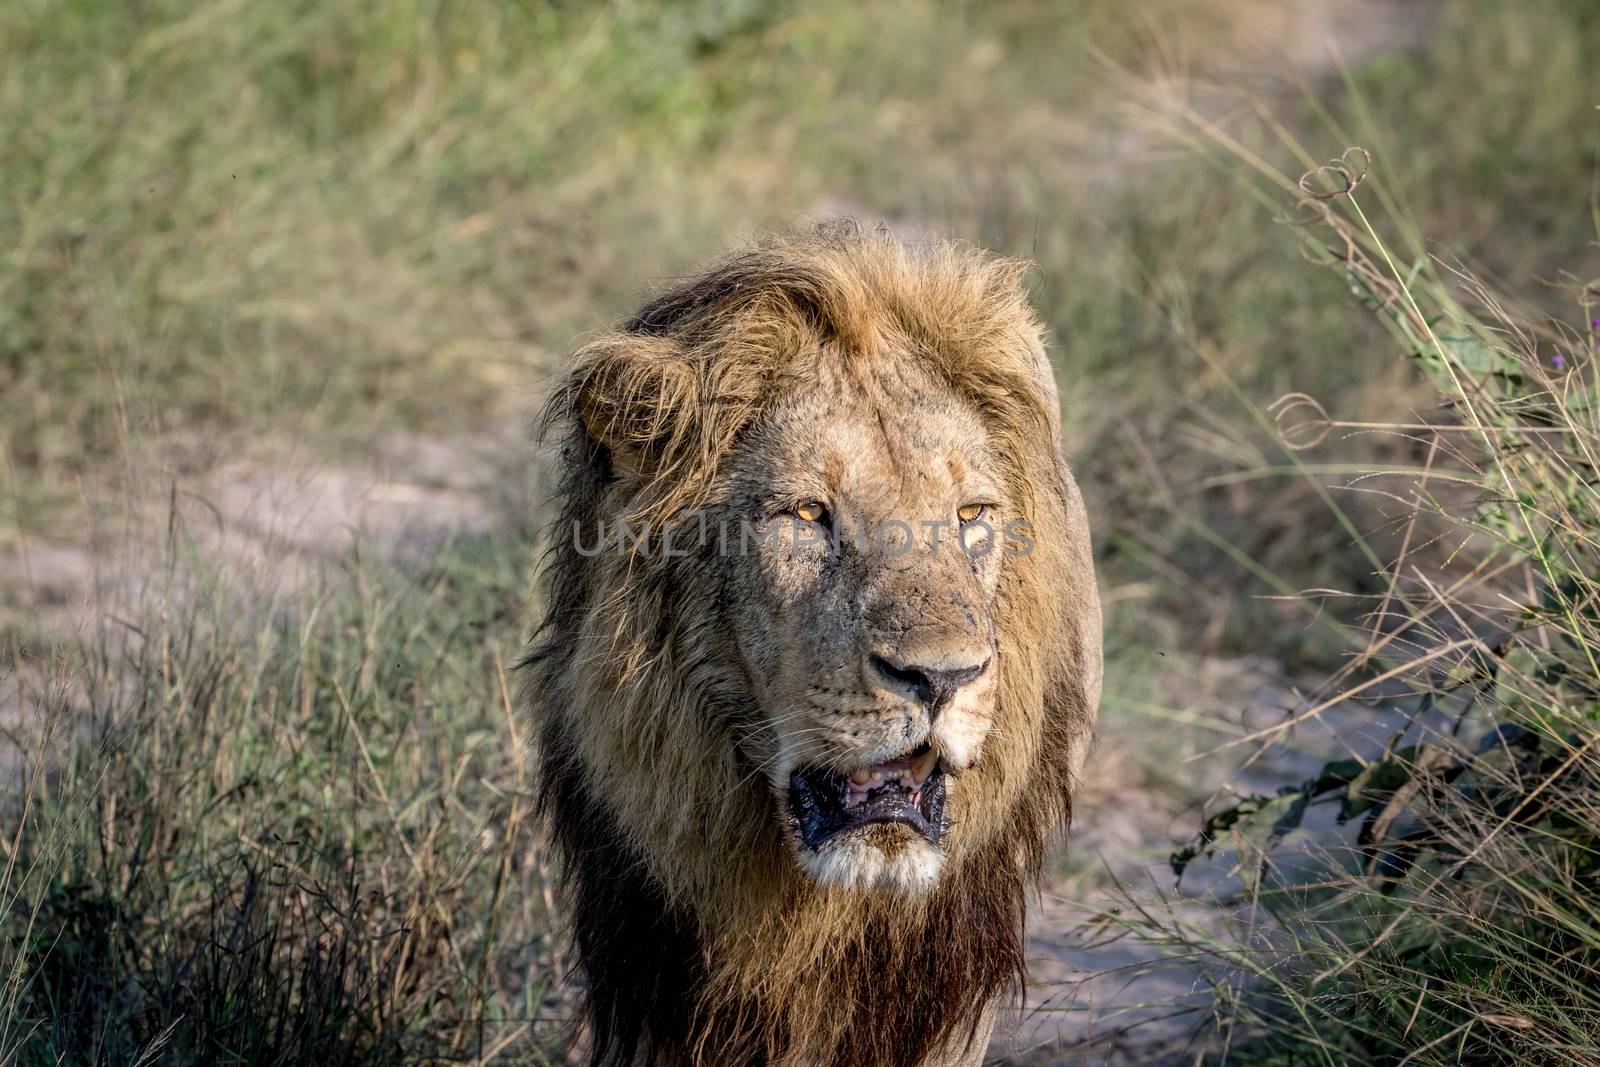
x: 820, y: 656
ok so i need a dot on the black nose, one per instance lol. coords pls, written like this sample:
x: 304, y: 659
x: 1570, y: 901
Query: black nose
x: 934, y: 686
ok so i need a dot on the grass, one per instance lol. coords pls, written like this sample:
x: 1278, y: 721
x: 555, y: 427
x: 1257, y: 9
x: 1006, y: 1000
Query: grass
x: 1447, y: 915
x: 282, y: 832
x: 257, y: 826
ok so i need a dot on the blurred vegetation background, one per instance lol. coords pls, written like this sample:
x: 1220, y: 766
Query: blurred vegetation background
x: 232, y: 223
x: 281, y: 283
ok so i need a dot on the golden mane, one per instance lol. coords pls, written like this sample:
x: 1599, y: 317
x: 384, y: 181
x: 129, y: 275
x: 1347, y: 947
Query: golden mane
x: 690, y: 957
x: 679, y: 380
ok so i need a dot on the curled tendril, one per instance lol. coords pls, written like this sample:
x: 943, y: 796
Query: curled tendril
x: 1337, y: 177
x: 1316, y: 252
x: 1302, y: 422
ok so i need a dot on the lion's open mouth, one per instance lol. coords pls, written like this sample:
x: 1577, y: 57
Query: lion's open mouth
x: 908, y: 790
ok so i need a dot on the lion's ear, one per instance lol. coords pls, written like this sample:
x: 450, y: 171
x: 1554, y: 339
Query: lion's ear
x: 638, y: 397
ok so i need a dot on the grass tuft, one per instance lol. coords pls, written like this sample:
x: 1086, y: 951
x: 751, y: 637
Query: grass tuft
x: 283, y: 832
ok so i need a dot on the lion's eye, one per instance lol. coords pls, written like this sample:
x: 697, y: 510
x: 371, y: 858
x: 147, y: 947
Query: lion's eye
x: 971, y: 512
x: 811, y: 511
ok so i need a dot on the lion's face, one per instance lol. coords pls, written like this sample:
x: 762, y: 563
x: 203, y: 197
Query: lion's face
x: 865, y: 588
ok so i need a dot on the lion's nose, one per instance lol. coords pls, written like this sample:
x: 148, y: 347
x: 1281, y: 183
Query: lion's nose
x: 933, y: 686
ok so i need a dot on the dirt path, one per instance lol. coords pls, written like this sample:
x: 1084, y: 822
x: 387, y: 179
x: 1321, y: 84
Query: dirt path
x: 1096, y: 998
x: 272, y: 519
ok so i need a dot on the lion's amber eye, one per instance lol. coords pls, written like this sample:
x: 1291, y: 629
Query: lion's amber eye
x: 811, y: 511
x: 971, y: 512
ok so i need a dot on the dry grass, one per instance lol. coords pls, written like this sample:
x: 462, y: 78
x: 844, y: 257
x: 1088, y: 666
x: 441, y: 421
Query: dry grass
x: 281, y: 832
x: 1447, y: 915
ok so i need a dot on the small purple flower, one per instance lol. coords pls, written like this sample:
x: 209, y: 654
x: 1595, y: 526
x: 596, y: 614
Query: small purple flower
x: 1594, y: 324
x: 1558, y: 361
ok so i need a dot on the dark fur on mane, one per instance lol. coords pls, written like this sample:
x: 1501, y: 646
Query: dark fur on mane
x: 645, y: 976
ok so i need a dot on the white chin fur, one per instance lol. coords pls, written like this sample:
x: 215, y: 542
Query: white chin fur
x: 847, y: 862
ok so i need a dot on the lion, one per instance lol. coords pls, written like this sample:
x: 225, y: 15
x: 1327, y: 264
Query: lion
x: 820, y: 655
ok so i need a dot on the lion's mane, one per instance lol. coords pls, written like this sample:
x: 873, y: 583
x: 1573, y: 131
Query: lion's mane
x: 700, y: 941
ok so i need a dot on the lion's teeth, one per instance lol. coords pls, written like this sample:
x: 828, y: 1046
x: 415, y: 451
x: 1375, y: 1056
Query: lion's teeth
x: 907, y: 773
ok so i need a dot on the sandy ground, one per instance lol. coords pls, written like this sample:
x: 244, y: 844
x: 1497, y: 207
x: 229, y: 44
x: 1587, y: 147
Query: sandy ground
x: 1098, y: 998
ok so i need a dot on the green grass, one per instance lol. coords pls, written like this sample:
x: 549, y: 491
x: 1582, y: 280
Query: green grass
x: 231, y: 225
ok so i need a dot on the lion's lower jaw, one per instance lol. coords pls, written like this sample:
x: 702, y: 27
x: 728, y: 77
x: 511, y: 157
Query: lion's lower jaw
x: 911, y: 868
